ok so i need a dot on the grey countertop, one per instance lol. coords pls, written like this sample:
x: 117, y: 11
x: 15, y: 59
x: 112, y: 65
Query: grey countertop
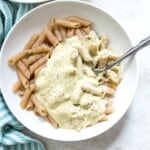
x: 132, y: 132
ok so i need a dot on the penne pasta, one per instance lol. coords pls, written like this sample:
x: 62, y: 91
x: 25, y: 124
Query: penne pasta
x: 112, y: 85
x: 39, y: 63
x: 103, y: 118
x: 25, y: 61
x: 67, y: 23
x: 104, y: 42
x: 82, y: 21
x: 93, y: 49
x: 109, y: 91
x: 31, y: 41
x: 87, y: 29
x: 102, y: 61
x: 109, y: 110
x: 40, y: 108
x: 36, y: 111
x: 58, y: 34
x: 93, y: 90
x: 88, y: 71
x: 22, y: 78
x: 32, y: 81
x: 39, y: 49
x: 63, y: 32
x: 12, y: 60
x: 23, y: 68
x: 112, y: 57
x: 32, y: 59
x: 102, y: 79
x: 78, y: 33
x: 52, y: 121
x: 20, y: 93
x: 30, y: 105
x: 51, y: 24
x: 39, y: 68
x: 84, y: 55
x: 40, y: 39
x: 26, y: 97
x: 51, y: 37
x: 70, y: 32
x: 16, y: 86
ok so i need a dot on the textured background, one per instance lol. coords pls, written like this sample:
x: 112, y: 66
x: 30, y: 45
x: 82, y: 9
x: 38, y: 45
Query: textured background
x: 132, y: 132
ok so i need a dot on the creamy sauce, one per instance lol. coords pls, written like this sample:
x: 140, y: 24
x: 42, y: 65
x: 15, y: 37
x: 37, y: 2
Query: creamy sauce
x: 64, y: 85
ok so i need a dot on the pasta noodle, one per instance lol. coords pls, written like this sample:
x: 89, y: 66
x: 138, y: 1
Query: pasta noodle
x: 40, y: 108
x: 109, y: 110
x: 22, y: 79
x: 63, y: 32
x: 26, y: 96
x: 32, y: 41
x: 84, y: 55
x: 32, y: 59
x: 58, y: 34
x: 16, y: 86
x: 70, y: 32
x: 92, y: 49
x: 39, y: 63
x: 112, y: 57
x: 109, y: 91
x: 67, y: 23
x: 103, y: 118
x: 87, y: 29
x: 25, y: 61
x: 80, y: 20
x: 52, y: 121
x: 30, y: 105
x: 20, y: 93
x: 78, y: 33
x: 105, y: 42
x: 88, y: 72
x: 93, y: 90
x: 36, y: 111
x: 53, y: 40
x: 12, y: 60
x: 38, y: 69
x: 21, y: 66
x: 39, y: 49
x: 51, y: 24
x: 40, y: 39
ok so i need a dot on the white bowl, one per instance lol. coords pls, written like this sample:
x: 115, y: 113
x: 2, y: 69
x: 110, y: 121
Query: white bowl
x: 33, y: 22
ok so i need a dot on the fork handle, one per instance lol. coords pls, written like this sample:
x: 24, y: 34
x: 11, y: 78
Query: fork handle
x: 145, y: 42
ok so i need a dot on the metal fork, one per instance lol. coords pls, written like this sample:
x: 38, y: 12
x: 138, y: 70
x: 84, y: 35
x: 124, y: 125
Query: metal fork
x: 145, y: 42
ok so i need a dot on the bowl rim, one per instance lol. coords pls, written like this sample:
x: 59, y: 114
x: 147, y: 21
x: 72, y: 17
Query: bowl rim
x: 114, y: 19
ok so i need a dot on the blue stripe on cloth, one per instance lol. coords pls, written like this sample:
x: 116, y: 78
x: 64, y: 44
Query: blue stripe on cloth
x: 19, y: 146
x: 14, y: 147
x: 1, y: 106
x: 8, y: 141
x: 5, y: 118
x: 1, y: 28
x: 22, y: 147
x: 11, y: 137
x: 5, y: 10
x: 29, y: 146
x: 23, y: 8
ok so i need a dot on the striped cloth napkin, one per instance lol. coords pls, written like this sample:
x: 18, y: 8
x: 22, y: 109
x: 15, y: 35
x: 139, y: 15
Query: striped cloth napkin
x: 11, y: 137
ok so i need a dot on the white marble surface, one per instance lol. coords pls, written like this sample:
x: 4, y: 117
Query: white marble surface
x: 132, y: 132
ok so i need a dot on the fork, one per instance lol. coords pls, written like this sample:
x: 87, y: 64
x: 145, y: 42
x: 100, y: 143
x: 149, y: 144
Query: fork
x: 143, y: 43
